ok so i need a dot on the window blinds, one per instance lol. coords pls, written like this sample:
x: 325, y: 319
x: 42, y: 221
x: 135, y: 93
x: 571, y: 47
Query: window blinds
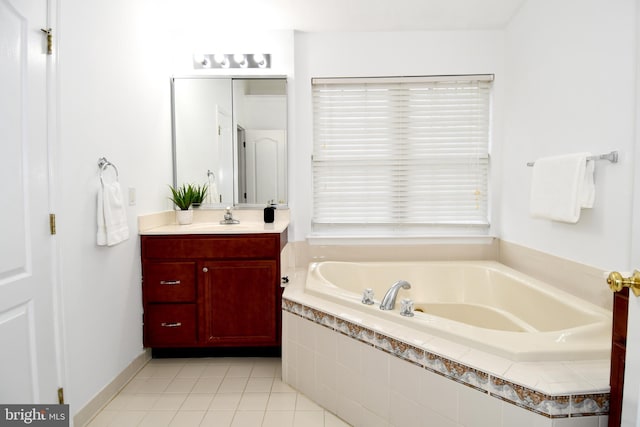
x: 401, y: 150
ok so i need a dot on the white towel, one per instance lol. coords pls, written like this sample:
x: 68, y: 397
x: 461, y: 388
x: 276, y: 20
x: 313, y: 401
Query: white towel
x: 112, y: 217
x: 561, y: 186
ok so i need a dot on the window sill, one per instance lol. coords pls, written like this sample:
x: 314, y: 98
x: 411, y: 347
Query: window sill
x: 325, y: 239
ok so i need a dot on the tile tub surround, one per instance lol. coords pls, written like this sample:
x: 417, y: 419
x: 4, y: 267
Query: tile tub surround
x: 316, y: 332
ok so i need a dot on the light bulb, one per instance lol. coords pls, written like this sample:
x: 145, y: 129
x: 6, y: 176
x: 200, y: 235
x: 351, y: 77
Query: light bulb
x: 260, y: 60
x: 240, y: 59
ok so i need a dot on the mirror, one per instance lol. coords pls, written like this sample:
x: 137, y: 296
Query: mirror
x: 231, y: 134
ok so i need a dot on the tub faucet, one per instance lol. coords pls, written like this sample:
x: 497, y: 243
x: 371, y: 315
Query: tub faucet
x: 389, y: 299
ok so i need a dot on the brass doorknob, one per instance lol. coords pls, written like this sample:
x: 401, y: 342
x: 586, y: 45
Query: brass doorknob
x: 616, y: 282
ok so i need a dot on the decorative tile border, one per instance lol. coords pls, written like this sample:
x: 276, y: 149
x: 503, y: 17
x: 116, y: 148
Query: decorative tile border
x: 551, y: 406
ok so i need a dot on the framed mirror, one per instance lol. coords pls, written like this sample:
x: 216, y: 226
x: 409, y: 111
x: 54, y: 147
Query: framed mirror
x: 231, y: 134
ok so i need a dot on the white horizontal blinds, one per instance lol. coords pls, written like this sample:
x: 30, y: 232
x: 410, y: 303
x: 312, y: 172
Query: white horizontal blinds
x: 401, y: 151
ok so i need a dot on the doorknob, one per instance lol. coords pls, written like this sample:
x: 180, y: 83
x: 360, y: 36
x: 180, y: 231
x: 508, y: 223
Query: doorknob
x: 616, y: 282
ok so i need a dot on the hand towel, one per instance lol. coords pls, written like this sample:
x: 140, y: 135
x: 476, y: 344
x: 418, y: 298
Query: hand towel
x: 561, y: 186
x: 111, y: 215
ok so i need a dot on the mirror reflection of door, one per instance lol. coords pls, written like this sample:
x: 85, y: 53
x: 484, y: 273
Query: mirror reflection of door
x: 202, y: 110
x: 242, y: 165
x: 260, y: 116
x: 264, y: 155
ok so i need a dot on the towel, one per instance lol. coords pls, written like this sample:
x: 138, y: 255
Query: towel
x: 112, y: 217
x: 561, y: 186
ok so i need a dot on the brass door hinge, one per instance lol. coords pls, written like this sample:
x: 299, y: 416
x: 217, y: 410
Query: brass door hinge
x: 52, y: 223
x: 49, y: 34
x: 61, y: 396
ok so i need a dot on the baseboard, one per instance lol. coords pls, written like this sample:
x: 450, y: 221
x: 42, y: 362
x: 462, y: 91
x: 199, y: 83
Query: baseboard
x: 91, y: 409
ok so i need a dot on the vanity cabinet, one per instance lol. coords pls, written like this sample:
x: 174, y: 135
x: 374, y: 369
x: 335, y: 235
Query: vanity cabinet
x: 212, y: 290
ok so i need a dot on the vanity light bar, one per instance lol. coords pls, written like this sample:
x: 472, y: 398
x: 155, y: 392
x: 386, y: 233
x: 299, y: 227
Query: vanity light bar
x: 232, y: 60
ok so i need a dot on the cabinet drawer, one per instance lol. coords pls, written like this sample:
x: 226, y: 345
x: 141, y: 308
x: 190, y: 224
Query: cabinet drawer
x: 170, y: 324
x: 169, y: 281
x: 251, y: 246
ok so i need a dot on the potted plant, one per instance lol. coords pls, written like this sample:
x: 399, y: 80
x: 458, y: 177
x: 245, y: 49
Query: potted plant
x: 182, y: 197
x: 199, y: 194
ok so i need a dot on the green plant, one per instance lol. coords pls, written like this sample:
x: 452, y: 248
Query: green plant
x: 182, y: 196
x: 199, y: 193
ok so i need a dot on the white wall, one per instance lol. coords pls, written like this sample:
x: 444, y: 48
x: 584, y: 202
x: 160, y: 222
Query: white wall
x: 115, y: 60
x: 377, y: 54
x: 570, y: 69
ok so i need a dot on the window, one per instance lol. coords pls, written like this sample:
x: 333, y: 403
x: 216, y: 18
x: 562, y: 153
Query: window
x: 401, y: 153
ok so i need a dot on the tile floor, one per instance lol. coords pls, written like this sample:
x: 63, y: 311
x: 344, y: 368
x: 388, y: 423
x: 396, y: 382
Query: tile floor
x: 234, y: 392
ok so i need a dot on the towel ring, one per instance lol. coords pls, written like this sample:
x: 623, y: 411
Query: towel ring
x: 103, y: 164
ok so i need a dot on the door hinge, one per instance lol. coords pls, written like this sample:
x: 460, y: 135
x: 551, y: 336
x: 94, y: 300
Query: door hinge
x: 219, y: 130
x: 52, y: 223
x: 61, y: 396
x: 49, y: 34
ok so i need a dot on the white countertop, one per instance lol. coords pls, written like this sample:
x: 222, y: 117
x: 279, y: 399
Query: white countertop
x: 207, y: 221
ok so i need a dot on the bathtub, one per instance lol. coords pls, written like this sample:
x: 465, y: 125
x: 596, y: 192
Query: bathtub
x: 482, y: 304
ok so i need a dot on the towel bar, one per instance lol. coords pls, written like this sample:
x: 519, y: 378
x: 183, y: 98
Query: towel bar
x: 612, y: 157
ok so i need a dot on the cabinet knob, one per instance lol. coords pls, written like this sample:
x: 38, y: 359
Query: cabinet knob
x: 205, y: 269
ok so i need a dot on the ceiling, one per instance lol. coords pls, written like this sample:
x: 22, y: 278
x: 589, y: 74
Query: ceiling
x: 360, y: 15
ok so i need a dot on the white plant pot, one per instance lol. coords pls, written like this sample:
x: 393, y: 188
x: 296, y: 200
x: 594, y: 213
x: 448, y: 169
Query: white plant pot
x: 184, y: 217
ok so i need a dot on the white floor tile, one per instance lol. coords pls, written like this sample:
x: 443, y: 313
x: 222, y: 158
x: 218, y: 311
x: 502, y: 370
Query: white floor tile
x: 181, y: 385
x: 187, y: 419
x: 225, y: 401
x: 217, y: 419
x: 128, y: 418
x: 282, y: 402
x: 157, y: 419
x: 278, y: 419
x: 169, y: 402
x: 303, y: 403
x: 257, y: 385
x: 253, y: 402
x: 247, y: 419
x: 308, y: 419
x: 215, y: 392
x: 207, y: 385
x: 197, y: 402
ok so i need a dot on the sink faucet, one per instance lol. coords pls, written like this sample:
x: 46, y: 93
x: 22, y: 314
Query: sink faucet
x: 228, y: 217
x: 389, y: 299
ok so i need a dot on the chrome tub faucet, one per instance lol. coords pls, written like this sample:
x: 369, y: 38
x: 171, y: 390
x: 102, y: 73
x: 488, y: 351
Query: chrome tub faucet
x: 389, y: 299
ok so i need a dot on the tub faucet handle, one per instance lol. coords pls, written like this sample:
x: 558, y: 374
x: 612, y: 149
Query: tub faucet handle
x: 406, y: 307
x: 367, y: 296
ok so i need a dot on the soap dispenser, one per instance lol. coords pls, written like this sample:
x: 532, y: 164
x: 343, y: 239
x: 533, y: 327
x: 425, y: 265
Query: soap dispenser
x: 269, y: 213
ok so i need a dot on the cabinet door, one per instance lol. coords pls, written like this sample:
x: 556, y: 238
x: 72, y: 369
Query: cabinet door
x: 240, y: 303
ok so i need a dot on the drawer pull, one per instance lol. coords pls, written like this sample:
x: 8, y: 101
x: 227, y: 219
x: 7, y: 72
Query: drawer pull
x: 171, y: 324
x: 170, y: 282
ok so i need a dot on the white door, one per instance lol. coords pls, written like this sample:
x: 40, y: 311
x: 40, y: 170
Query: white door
x: 265, y: 157
x: 28, y: 361
x: 631, y: 396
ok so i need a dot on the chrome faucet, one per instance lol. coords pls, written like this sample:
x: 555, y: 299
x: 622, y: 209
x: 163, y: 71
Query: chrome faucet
x: 228, y: 217
x: 389, y: 299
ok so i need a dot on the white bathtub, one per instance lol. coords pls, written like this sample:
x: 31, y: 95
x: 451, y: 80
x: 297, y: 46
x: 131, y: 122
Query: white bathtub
x: 482, y: 304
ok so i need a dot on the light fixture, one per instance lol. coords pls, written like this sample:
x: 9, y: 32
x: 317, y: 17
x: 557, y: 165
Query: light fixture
x: 231, y: 60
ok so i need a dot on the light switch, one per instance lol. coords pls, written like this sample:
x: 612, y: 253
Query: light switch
x: 132, y: 196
